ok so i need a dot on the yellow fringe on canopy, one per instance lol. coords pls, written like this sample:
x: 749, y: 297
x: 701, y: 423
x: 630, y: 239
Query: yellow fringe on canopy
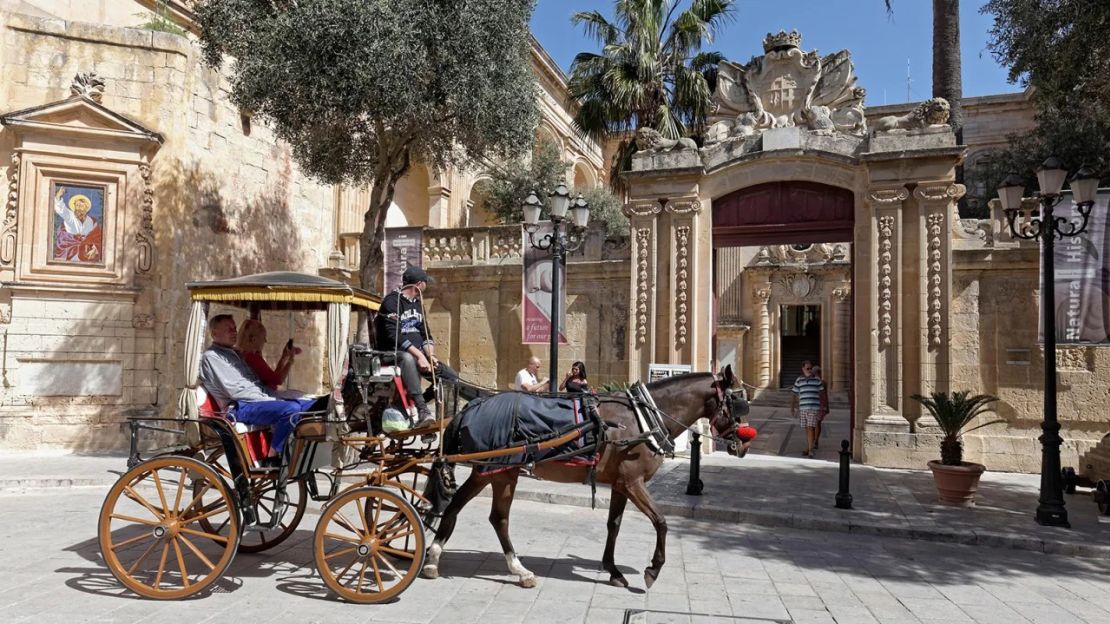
x: 263, y: 293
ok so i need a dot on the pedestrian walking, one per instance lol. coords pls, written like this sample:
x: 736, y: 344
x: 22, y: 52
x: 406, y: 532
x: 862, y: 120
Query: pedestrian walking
x: 824, y: 410
x: 805, y: 404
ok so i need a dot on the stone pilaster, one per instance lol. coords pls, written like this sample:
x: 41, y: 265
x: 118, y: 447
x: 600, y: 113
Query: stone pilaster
x: 683, y: 278
x: 841, y: 342
x: 886, y: 308
x: 936, y: 204
x: 763, y: 300
x: 643, y: 226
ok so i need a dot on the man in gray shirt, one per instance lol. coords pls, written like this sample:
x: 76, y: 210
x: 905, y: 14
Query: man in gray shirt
x: 238, y: 390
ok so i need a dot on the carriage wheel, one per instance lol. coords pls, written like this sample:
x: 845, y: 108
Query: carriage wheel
x: 369, y: 545
x: 1102, y: 497
x: 150, y: 530
x: 265, y: 496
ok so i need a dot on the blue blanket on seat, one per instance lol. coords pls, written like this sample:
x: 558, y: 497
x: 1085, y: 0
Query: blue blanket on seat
x: 511, y: 419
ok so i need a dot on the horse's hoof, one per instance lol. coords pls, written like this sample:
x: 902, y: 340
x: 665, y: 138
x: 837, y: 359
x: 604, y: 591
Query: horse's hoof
x: 528, y: 582
x: 618, y: 580
x: 430, y: 572
x: 649, y: 577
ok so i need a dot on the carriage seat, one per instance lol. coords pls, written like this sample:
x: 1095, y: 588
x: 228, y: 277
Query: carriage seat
x: 207, y: 407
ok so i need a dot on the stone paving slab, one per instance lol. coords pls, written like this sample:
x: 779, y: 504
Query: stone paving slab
x: 758, y: 490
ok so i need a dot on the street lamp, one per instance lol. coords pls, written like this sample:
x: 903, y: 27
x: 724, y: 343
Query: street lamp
x: 1045, y: 226
x: 567, y: 234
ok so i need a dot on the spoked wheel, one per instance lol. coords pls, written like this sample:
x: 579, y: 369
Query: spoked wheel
x: 267, y: 499
x: 1102, y: 497
x: 151, y: 533
x: 369, y: 545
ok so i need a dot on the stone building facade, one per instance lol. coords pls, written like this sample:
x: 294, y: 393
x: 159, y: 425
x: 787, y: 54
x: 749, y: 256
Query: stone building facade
x: 182, y: 187
x: 807, y: 222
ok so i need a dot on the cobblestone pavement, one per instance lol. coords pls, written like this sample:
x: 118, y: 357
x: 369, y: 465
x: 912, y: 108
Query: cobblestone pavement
x: 716, y: 572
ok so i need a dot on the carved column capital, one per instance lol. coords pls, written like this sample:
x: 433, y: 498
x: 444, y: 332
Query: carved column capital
x: 940, y: 192
x: 642, y: 208
x: 842, y: 294
x: 685, y: 206
x: 886, y: 196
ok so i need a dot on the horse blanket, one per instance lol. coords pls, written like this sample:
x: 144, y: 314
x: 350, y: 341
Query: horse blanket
x: 511, y: 419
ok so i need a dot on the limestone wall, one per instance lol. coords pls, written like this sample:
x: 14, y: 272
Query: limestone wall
x: 227, y: 200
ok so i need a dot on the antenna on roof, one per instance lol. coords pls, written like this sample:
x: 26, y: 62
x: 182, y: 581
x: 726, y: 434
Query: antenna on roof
x: 909, y: 82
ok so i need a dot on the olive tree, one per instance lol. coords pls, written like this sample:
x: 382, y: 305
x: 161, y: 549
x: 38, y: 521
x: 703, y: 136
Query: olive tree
x: 361, y: 90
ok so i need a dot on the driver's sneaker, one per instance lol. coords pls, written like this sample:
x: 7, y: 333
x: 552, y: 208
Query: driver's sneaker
x: 424, y: 418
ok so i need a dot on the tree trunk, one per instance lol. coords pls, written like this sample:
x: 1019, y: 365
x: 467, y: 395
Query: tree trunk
x: 371, y: 257
x: 947, y: 80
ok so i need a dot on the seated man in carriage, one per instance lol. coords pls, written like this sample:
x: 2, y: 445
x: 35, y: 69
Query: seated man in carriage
x: 400, y: 327
x: 238, y: 390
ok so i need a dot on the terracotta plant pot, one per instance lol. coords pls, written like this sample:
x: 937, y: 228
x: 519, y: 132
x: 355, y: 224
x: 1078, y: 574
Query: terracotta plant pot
x: 956, y: 485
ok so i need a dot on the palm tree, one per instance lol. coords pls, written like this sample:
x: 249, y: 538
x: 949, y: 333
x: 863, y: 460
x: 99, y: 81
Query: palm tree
x: 651, y: 71
x: 947, y: 80
x: 954, y: 412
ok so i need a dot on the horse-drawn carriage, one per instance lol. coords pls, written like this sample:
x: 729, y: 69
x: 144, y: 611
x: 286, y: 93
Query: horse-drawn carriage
x: 171, y: 525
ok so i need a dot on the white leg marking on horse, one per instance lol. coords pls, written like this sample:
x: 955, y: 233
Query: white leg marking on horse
x: 527, y: 579
x: 431, y: 561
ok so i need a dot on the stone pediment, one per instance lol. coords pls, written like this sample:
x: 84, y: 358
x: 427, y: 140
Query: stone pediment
x: 787, y: 88
x: 80, y: 114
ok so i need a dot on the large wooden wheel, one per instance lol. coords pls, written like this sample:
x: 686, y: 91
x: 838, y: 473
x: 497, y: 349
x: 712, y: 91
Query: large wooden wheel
x: 267, y: 500
x: 369, y: 544
x: 151, y: 534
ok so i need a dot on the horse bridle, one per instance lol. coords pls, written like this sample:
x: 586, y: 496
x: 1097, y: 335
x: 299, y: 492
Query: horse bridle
x: 725, y: 419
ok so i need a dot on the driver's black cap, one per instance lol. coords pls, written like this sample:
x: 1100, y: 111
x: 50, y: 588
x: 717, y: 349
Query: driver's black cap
x: 415, y: 274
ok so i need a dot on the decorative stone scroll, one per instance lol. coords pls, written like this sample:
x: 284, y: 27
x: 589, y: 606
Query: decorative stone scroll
x: 88, y: 84
x: 643, y: 250
x: 935, y: 229
x: 144, y: 236
x: 11, y: 215
x: 886, y: 197
x: 682, y: 283
x: 684, y: 207
x: 886, y: 279
x: 642, y: 209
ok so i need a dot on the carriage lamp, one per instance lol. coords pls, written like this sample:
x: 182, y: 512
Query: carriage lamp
x: 567, y: 235
x: 1044, y: 225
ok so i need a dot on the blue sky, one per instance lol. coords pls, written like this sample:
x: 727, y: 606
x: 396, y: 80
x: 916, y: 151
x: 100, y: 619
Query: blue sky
x: 880, y: 45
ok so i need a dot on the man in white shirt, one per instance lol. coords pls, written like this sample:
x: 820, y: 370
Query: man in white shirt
x: 526, y: 380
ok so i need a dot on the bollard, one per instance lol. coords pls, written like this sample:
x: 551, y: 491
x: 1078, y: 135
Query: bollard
x: 843, y: 496
x: 694, y: 486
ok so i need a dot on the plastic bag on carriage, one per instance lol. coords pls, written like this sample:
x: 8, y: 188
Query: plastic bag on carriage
x: 394, y: 420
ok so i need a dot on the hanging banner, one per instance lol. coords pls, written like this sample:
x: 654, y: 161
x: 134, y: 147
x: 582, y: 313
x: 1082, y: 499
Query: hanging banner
x: 536, y: 291
x: 402, y: 248
x: 1082, y: 277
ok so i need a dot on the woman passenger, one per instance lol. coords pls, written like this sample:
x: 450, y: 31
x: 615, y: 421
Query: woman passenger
x: 252, y: 337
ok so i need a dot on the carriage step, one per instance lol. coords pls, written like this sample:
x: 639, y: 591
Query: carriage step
x: 314, y: 489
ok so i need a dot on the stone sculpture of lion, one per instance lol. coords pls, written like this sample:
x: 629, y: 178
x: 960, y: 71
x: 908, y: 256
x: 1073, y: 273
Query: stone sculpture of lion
x: 932, y: 112
x: 649, y: 140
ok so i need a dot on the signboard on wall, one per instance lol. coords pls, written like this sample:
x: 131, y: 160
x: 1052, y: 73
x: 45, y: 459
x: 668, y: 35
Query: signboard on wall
x: 402, y: 248
x: 662, y: 371
x: 536, y: 291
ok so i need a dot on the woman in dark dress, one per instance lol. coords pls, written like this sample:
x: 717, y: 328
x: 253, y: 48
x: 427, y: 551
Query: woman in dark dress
x: 575, y: 381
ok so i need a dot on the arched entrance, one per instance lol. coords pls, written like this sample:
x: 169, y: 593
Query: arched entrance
x: 782, y: 283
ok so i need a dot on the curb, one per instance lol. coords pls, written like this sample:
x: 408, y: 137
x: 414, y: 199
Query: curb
x: 21, y: 486
x: 982, y: 538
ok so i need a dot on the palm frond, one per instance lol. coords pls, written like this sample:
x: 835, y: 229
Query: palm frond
x: 953, y: 412
x: 596, y: 26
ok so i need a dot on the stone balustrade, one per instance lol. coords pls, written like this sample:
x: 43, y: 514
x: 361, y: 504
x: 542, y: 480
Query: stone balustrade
x: 504, y: 244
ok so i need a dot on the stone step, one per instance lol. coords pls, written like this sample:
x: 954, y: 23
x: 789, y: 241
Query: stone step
x: 1095, y: 463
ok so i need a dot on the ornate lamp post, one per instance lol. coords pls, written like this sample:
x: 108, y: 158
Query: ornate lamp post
x: 566, y: 235
x: 1044, y: 225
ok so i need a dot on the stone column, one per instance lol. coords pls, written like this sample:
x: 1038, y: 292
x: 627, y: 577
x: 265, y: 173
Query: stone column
x: 937, y: 204
x: 683, y: 278
x: 885, y: 309
x: 643, y: 225
x: 841, y: 343
x: 763, y: 301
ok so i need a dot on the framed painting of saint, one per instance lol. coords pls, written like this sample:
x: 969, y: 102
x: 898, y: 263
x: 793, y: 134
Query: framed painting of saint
x: 77, y: 234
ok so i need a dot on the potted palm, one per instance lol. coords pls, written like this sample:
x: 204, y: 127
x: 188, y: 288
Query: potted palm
x: 956, y: 480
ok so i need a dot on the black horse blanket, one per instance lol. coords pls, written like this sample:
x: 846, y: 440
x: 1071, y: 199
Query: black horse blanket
x: 511, y: 419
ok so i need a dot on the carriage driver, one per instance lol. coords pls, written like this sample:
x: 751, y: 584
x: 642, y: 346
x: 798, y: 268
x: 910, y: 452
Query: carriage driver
x: 399, y: 326
x: 239, y: 391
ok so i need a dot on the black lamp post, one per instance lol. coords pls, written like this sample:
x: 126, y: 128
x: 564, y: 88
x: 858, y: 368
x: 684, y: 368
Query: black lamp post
x: 1046, y: 226
x: 566, y: 235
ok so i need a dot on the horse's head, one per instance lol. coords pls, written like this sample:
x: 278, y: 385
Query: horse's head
x: 729, y: 409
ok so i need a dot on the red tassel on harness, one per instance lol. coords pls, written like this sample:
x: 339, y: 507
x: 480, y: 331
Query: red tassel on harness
x: 746, y: 433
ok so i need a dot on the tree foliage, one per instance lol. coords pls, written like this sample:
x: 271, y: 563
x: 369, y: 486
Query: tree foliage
x: 1062, y: 49
x: 651, y: 70
x: 361, y: 90
x: 511, y: 184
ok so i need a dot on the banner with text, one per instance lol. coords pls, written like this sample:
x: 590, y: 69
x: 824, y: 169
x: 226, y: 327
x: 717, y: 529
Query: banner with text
x: 1082, y: 277
x: 536, y: 291
x: 402, y: 248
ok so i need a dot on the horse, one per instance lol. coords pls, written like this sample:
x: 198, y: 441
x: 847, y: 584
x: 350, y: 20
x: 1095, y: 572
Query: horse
x: 684, y: 399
